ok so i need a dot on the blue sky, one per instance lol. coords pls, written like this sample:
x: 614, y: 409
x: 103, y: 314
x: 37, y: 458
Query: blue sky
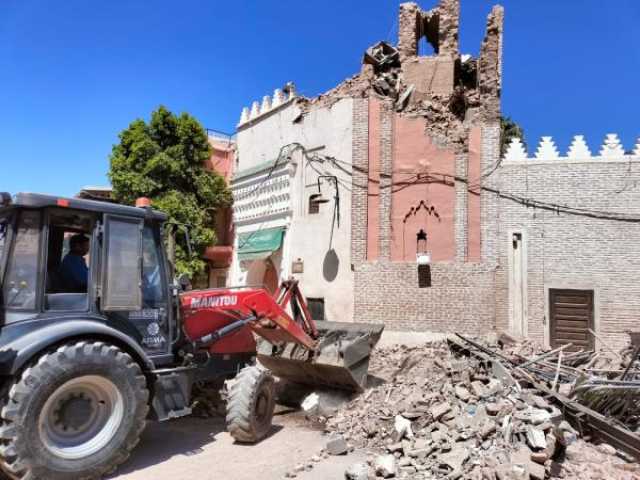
x: 74, y: 73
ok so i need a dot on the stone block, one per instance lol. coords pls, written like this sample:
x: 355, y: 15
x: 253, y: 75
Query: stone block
x: 429, y: 75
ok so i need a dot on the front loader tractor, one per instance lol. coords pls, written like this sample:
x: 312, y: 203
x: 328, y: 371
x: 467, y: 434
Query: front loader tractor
x: 96, y: 337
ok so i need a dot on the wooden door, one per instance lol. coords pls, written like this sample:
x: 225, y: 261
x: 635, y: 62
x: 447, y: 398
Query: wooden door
x: 571, y: 317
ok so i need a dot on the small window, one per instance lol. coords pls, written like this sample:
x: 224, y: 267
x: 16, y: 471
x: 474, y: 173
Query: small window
x: 20, y: 286
x: 314, y: 207
x: 424, y: 276
x: 221, y: 281
x: 316, y: 308
x: 122, y: 275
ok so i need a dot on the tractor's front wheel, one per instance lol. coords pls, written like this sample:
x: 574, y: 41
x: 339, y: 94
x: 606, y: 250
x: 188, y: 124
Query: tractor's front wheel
x: 250, y: 404
x: 75, y: 413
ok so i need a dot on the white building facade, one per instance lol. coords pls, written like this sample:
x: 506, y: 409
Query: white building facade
x: 292, y: 201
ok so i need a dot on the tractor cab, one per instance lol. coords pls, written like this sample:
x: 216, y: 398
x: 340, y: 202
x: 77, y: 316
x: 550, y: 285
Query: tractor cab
x: 94, y: 339
x: 62, y: 259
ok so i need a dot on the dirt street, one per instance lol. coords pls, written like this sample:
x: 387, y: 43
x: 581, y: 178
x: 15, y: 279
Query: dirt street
x: 194, y: 448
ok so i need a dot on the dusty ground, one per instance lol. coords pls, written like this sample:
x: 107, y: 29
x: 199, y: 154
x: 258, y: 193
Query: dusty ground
x: 193, y: 448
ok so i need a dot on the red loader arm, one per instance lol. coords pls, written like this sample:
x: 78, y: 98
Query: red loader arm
x: 252, y: 307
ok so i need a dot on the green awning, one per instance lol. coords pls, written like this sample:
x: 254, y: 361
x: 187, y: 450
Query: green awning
x: 259, y: 244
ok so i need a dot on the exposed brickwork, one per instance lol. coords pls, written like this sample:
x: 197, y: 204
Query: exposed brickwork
x: 429, y: 75
x: 462, y: 294
x: 572, y: 251
x: 408, y: 19
x: 489, y: 207
x: 373, y: 183
x: 386, y: 169
x: 449, y: 16
x: 461, y: 214
x: 461, y: 297
x: 490, y: 65
x: 360, y: 158
x: 439, y: 26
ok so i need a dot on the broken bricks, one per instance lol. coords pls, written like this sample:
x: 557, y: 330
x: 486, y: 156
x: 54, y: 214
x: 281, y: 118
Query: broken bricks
x: 455, y: 436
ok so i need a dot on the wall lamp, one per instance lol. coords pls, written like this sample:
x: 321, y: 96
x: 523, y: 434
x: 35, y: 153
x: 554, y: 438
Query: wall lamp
x: 423, y: 256
x: 322, y: 199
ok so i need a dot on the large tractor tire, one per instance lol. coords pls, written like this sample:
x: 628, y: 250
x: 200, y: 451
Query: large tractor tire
x: 76, y: 413
x: 250, y: 404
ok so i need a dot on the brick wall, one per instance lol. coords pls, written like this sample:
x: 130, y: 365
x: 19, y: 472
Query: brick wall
x: 460, y: 216
x: 460, y: 299
x: 462, y: 294
x: 386, y: 169
x: 360, y: 159
x: 574, y: 251
x: 489, y: 214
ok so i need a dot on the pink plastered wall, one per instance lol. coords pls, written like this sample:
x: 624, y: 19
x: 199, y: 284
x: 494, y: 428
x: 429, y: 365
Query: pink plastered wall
x: 415, y: 154
x: 221, y: 161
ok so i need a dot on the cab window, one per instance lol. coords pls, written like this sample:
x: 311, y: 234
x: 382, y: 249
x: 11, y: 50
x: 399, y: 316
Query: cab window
x: 5, y: 222
x: 21, y: 281
x: 68, y: 259
x: 152, y: 274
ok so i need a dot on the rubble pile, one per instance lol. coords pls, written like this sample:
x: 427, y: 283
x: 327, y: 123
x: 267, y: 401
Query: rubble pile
x: 606, y: 381
x: 434, y: 415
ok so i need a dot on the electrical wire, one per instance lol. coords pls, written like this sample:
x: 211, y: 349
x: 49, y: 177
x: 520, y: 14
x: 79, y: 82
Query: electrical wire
x: 420, y: 177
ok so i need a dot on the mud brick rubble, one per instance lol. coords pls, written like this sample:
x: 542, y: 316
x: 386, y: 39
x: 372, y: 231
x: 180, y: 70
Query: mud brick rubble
x: 436, y: 415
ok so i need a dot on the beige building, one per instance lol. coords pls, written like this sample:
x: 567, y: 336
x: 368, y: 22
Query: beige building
x: 291, y: 205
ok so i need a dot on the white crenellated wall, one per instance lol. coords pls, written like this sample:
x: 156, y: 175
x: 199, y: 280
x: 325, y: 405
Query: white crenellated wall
x: 267, y: 104
x: 611, y: 150
x: 575, y: 218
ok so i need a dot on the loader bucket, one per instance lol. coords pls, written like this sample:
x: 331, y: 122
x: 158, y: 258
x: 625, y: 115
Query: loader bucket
x: 341, y: 359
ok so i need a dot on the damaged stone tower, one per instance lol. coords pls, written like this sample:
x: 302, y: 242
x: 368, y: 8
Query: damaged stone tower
x: 426, y: 134
x: 412, y: 141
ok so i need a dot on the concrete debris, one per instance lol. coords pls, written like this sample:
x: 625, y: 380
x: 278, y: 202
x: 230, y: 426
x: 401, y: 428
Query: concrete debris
x: 385, y: 466
x: 337, y: 445
x: 536, y: 438
x: 323, y: 402
x: 465, y: 423
x: 357, y: 471
x: 310, y: 403
x: 403, y: 428
x: 382, y: 56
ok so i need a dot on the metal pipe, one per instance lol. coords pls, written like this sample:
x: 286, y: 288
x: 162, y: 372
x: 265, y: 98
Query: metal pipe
x: 219, y: 334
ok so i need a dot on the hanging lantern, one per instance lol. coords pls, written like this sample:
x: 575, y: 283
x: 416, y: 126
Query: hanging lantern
x: 423, y: 256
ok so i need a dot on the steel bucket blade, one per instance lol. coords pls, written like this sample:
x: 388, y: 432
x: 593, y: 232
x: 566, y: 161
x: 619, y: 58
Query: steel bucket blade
x: 340, y: 361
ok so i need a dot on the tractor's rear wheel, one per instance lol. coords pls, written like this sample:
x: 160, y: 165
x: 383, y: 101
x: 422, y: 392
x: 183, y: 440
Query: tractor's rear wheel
x: 250, y: 404
x: 75, y: 413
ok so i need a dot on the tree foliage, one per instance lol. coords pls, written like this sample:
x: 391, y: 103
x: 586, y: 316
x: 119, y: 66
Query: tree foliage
x: 164, y: 160
x: 509, y: 129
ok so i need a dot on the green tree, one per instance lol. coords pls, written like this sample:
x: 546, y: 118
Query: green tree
x: 164, y: 160
x: 509, y: 130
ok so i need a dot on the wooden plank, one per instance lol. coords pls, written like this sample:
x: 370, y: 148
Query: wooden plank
x: 571, y: 301
x: 563, y: 332
x: 571, y: 311
x: 574, y: 318
x: 562, y: 325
